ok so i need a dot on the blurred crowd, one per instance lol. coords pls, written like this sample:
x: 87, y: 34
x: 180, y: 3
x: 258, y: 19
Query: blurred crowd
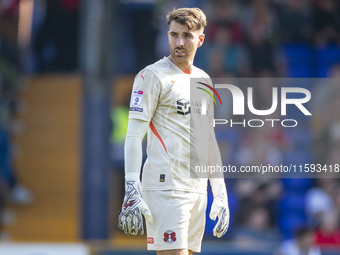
x: 12, y: 191
x: 244, y: 38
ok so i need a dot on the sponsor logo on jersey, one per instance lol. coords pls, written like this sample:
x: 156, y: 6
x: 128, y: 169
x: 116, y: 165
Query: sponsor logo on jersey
x: 170, y: 236
x: 137, y: 97
x: 183, y: 107
x: 150, y: 240
x: 142, y: 76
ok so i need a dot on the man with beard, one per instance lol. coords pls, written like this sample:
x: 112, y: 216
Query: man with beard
x: 172, y: 203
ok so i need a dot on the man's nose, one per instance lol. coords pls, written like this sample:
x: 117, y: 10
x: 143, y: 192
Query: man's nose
x: 179, y: 41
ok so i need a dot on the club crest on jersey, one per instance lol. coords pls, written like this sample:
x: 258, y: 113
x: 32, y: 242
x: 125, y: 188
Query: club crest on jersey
x: 183, y: 107
x: 137, y: 97
x: 170, y: 236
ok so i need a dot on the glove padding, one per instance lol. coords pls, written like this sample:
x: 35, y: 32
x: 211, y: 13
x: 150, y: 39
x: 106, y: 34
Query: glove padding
x: 220, y: 209
x: 130, y: 218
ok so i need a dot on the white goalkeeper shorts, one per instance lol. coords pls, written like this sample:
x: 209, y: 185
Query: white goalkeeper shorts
x: 178, y: 220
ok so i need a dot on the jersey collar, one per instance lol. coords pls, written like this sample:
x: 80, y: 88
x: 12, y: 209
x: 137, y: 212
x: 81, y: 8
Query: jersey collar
x: 184, y: 71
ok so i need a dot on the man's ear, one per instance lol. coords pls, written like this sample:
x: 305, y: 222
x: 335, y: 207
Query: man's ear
x: 201, y: 40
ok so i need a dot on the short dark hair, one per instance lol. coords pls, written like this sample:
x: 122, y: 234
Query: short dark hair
x: 193, y: 18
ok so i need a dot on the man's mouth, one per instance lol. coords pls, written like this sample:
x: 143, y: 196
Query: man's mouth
x: 180, y: 51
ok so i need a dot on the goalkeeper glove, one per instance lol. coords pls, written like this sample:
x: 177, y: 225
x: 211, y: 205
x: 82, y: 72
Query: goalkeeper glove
x: 130, y: 217
x: 219, y: 207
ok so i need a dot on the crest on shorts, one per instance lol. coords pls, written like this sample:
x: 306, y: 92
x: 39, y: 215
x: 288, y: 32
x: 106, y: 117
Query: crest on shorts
x: 169, y: 236
x: 150, y: 240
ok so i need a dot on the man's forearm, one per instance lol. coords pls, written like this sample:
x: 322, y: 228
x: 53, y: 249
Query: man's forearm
x: 216, y: 179
x: 133, y: 152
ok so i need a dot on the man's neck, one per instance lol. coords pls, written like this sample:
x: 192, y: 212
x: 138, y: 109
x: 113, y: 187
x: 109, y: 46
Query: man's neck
x: 187, y: 66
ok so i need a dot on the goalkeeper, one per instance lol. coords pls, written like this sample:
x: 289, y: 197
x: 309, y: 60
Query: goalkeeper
x: 172, y: 203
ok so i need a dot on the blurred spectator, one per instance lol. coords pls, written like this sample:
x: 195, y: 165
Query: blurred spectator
x: 326, y: 22
x: 138, y: 33
x: 56, y: 42
x: 11, y: 188
x: 325, y: 127
x: 119, y: 117
x: 9, y: 8
x: 4, y: 165
x: 260, y: 146
x: 224, y: 50
x: 225, y: 17
x: 319, y: 199
x: 260, y: 25
x: 225, y: 57
x: 334, y: 130
x: 337, y: 201
x: 328, y: 231
x: 295, y: 21
x: 303, y: 243
x: 256, y: 231
x: 254, y: 193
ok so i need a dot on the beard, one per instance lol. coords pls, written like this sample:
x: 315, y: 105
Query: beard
x: 179, y: 53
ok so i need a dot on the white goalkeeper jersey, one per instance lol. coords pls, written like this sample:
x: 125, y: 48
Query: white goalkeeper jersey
x: 161, y: 96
